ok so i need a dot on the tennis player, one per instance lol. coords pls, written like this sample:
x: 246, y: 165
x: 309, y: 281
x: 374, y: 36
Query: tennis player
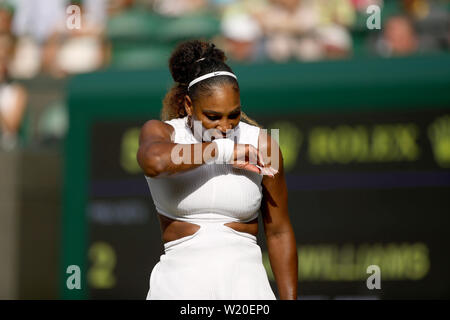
x: 209, y: 175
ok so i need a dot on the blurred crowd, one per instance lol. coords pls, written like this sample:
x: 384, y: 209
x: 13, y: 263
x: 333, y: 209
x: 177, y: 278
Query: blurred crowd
x: 310, y: 30
x: 61, y: 37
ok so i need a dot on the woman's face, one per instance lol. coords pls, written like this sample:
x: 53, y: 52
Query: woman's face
x: 221, y: 110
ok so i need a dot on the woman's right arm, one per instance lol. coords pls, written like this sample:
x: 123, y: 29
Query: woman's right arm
x: 155, y: 156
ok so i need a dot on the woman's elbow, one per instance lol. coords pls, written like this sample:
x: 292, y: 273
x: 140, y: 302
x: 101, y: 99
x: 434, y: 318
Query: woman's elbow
x: 150, y: 162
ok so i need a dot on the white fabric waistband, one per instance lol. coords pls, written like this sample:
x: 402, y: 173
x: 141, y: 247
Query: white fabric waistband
x: 206, y: 218
x: 213, y: 232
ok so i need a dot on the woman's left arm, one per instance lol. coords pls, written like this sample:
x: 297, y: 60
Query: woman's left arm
x: 280, y: 238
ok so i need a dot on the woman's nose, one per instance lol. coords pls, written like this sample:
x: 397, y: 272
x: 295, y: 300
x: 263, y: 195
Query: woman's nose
x: 225, y: 126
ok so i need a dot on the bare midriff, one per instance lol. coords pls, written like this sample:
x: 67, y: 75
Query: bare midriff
x: 175, y: 229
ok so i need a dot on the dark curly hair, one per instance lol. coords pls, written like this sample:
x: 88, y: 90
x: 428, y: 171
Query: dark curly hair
x: 190, y: 60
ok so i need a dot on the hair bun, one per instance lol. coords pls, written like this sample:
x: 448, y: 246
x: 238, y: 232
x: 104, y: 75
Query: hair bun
x: 214, y: 53
x: 182, y: 61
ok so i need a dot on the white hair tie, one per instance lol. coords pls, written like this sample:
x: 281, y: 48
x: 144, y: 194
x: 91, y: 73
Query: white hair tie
x: 209, y: 75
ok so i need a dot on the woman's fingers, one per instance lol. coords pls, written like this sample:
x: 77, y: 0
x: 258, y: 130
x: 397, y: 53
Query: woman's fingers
x: 265, y: 171
x: 253, y: 154
x: 252, y: 167
x: 247, y: 166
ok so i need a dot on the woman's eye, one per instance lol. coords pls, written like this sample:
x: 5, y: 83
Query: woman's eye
x: 233, y: 116
x: 213, y: 118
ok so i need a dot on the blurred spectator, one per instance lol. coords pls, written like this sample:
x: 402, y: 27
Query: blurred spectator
x: 6, y: 15
x: 33, y: 23
x: 26, y: 62
x: 242, y: 38
x: 71, y: 51
x: 13, y: 97
x: 288, y: 26
x: 306, y: 29
x: 339, y: 12
x: 335, y: 41
x: 432, y: 23
x: 399, y: 37
x: 38, y: 18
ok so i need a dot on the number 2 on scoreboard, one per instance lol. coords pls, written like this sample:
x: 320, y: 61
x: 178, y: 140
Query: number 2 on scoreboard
x: 103, y: 259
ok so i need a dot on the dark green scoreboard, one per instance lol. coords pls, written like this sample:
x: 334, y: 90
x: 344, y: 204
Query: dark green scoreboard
x: 366, y: 145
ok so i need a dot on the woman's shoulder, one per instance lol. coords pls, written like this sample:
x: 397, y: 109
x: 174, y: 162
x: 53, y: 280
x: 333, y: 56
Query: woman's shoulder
x: 175, y: 127
x: 168, y: 124
x: 154, y: 127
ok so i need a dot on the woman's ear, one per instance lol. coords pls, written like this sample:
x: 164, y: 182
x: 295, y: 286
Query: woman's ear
x: 188, y: 105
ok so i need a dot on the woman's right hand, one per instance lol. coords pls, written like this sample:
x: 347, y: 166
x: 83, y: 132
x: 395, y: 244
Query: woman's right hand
x: 247, y: 157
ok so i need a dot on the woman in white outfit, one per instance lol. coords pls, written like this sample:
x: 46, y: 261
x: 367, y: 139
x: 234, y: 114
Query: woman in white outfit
x: 208, y: 201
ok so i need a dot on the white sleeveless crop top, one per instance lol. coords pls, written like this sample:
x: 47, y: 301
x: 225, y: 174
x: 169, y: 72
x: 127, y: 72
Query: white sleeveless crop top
x: 210, y: 192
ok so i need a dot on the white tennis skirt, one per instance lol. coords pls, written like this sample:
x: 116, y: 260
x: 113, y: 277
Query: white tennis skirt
x: 215, y: 263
